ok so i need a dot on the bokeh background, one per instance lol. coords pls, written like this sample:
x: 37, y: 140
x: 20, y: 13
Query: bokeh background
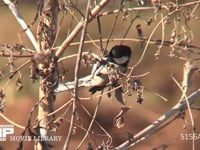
x: 159, y: 80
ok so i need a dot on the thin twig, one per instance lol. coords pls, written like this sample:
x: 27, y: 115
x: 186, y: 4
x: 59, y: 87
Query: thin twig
x: 91, y: 123
x: 79, y: 26
x: 100, y: 35
x: 184, y: 95
x: 97, y: 123
x: 28, y: 126
x: 113, y: 26
x: 19, y: 68
x: 77, y: 21
x: 17, y: 56
x: 157, y: 94
x: 188, y: 70
x: 129, y: 27
x: 11, y: 122
x: 180, y: 46
x: 77, y: 70
x: 75, y: 55
x: 60, y: 108
x: 163, y: 36
x: 163, y: 7
x: 127, y: 10
x: 147, y: 44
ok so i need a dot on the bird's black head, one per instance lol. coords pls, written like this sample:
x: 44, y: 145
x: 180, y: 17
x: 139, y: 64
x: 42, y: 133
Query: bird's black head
x: 120, y: 55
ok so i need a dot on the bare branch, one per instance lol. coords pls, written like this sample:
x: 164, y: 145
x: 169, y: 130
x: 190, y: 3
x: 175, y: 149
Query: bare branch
x: 21, y: 21
x: 145, y: 133
x: 188, y: 71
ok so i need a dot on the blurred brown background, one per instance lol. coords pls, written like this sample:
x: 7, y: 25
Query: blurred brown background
x: 159, y: 80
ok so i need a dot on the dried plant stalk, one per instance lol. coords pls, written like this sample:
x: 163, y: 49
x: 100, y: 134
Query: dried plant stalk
x: 46, y: 34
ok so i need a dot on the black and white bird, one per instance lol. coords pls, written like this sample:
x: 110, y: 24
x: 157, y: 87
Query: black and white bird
x: 117, y: 59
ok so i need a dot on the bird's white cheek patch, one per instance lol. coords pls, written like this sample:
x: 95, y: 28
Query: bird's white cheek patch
x: 121, y: 60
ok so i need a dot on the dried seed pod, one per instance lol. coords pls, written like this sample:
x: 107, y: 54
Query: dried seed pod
x: 139, y: 31
x: 149, y: 20
x: 118, y: 121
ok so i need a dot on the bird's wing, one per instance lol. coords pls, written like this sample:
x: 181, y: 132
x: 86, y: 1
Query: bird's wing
x: 87, y: 81
x: 82, y: 82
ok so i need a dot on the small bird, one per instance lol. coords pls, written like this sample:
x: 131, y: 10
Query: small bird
x: 117, y: 59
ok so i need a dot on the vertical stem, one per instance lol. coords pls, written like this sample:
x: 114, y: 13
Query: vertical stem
x: 47, y: 28
x: 46, y: 34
